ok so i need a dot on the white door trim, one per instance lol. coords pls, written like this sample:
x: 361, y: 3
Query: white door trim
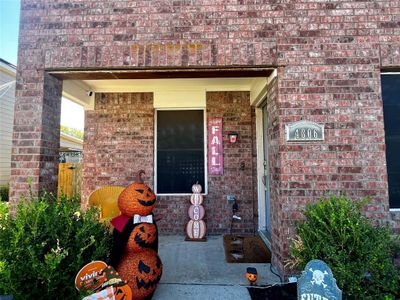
x: 260, y: 170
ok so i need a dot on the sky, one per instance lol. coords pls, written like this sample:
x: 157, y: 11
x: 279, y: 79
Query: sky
x: 72, y: 115
x: 9, y: 26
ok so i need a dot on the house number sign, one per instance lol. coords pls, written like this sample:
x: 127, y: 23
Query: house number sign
x: 304, y: 131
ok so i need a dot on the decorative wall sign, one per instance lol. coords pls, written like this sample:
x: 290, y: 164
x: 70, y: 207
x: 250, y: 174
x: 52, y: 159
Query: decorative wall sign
x: 90, y: 276
x: 317, y: 282
x: 304, y: 131
x: 215, y: 147
x: 196, y: 227
x: 101, y: 279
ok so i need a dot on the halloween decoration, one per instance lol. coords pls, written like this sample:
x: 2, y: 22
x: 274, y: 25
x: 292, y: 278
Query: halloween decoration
x: 196, y: 199
x: 196, y: 228
x: 137, y: 198
x: 143, y: 270
x: 196, y: 188
x: 143, y: 236
x: 106, y: 294
x: 135, y: 247
x: 196, y: 212
x: 251, y: 275
x: 104, y: 280
x: 88, y: 277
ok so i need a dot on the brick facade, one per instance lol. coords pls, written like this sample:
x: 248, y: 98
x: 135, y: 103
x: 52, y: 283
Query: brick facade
x: 237, y: 116
x: 328, y: 54
x: 119, y: 141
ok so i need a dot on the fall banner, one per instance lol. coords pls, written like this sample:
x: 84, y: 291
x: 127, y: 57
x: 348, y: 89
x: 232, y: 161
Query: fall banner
x: 215, y: 147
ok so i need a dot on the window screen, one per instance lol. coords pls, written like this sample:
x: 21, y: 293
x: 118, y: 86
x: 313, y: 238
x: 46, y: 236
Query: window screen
x: 391, y: 111
x: 180, y: 151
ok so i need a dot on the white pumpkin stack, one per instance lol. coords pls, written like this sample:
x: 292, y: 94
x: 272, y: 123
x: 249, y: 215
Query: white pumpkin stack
x: 196, y: 228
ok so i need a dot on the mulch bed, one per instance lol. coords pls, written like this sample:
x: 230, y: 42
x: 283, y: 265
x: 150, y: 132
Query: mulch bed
x: 246, y: 249
x: 281, y: 292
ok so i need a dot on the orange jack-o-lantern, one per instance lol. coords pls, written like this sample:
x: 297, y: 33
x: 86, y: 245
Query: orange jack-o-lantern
x: 142, y: 271
x: 251, y: 275
x: 137, y: 198
x: 142, y: 236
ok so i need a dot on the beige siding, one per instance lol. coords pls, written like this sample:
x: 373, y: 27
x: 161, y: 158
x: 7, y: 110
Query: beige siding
x: 7, y: 99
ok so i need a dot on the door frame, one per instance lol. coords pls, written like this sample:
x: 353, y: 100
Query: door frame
x: 265, y: 234
x: 262, y: 217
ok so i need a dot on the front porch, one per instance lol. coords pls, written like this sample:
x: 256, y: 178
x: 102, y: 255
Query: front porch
x: 121, y: 131
x: 198, y: 270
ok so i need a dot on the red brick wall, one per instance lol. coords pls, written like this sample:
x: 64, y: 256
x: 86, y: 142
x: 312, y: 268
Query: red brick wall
x: 329, y: 55
x: 237, y: 116
x: 119, y: 140
x: 36, y: 136
x: 280, y: 221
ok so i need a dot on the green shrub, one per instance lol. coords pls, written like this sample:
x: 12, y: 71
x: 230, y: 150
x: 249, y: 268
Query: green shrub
x: 44, y: 246
x: 336, y: 231
x: 4, y: 190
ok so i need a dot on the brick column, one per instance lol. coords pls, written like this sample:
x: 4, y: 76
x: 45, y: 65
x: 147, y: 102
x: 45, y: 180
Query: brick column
x: 36, y: 134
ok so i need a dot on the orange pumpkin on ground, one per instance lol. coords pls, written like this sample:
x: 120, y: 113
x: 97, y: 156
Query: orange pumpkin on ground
x: 137, y: 198
x: 251, y: 275
x: 142, y: 270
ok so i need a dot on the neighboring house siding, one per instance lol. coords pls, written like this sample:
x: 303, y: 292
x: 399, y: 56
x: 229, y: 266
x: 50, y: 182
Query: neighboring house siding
x: 6, y: 124
x: 68, y: 142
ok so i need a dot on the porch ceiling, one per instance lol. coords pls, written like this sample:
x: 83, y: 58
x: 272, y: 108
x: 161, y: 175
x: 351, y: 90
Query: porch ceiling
x: 80, y: 87
x: 151, y: 85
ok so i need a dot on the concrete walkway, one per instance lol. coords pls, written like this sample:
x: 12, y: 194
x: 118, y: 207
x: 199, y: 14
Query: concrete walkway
x: 198, y: 270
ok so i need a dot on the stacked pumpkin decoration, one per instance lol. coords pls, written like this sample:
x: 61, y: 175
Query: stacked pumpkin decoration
x: 134, y: 254
x: 196, y: 227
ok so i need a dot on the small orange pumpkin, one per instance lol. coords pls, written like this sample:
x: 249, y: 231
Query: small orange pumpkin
x: 143, y: 271
x: 137, y: 198
x: 251, y: 275
x: 142, y: 236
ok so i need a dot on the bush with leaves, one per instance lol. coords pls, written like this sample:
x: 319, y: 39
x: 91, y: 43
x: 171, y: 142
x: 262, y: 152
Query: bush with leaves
x: 45, y: 244
x: 359, y: 254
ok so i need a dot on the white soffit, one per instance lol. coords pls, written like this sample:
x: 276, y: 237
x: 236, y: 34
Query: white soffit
x: 151, y: 85
x: 166, y: 89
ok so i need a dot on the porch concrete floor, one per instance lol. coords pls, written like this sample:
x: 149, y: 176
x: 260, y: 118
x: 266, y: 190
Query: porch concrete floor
x: 198, y: 270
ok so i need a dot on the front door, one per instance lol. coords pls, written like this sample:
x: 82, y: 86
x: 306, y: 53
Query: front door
x: 266, y: 176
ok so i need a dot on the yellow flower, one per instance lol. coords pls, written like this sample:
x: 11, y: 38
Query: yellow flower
x: 77, y: 214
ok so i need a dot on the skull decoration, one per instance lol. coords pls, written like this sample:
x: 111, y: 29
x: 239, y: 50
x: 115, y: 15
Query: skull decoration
x: 318, y: 277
